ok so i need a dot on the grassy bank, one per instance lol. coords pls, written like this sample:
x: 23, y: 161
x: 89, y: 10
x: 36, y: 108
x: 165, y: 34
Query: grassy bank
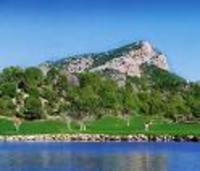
x: 107, y: 125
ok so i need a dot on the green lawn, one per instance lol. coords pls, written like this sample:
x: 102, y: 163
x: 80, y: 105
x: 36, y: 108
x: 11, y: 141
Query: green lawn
x: 175, y: 129
x: 6, y: 127
x: 43, y: 127
x: 107, y: 125
x: 35, y: 127
x: 113, y: 125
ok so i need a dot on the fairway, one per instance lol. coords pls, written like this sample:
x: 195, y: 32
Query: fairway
x: 106, y: 125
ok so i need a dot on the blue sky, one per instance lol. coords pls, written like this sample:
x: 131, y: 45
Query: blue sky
x: 32, y: 31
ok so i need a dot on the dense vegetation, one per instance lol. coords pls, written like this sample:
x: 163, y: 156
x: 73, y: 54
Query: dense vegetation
x: 77, y: 99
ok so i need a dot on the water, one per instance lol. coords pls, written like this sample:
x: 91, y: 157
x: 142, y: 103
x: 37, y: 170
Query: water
x: 100, y: 156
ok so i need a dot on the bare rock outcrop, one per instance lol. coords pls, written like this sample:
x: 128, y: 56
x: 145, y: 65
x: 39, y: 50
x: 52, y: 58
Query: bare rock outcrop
x: 122, y: 62
x: 130, y: 63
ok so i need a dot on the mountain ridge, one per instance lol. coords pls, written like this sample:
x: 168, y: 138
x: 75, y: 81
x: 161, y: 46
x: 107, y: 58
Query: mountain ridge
x: 126, y: 60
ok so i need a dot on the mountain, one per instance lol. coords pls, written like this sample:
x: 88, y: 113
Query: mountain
x: 132, y: 80
x: 126, y: 60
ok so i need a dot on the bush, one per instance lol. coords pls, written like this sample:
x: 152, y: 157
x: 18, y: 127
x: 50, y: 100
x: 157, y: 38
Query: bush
x: 7, y: 108
x: 8, y: 89
x: 33, y: 108
x: 33, y: 76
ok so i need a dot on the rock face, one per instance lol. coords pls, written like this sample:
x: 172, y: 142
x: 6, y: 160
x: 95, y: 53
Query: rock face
x: 130, y: 63
x: 79, y: 65
x: 126, y: 60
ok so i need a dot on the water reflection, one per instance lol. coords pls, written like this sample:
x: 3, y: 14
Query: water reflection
x: 90, y: 161
x: 99, y: 157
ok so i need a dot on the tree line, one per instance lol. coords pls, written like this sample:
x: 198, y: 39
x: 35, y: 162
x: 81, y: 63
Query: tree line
x: 29, y: 94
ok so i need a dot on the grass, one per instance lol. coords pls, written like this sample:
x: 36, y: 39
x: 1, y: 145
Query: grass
x: 175, y: 129
x: 35, y: 127
x: 6, y: 127
x: 113, y: 125
x: 106, y: 125
x: 43, y: 127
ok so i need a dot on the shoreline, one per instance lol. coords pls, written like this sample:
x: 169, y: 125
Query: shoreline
x: 98, y: 138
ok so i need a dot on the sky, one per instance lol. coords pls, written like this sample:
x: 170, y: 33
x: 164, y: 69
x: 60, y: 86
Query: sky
x: 33, y: 31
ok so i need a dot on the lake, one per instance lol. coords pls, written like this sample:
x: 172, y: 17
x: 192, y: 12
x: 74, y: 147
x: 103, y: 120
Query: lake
x: 111, y: 156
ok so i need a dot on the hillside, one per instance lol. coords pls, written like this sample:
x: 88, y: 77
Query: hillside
x: 133, y: 80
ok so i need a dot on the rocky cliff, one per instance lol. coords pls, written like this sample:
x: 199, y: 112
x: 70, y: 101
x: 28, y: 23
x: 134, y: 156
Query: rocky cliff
x: 126, y: 60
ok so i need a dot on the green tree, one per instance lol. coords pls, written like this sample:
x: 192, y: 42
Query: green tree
x: 33, y: 76
x: 12, y: 74
x: 193, y: 101
x: 164, y: 80
x: 92, y: 79
x: 156, y: 103
x: 109, y: 98
x: 7, y: 108
x: 33, y: 108
x: 52, y: 75
x: 129, y: 102
x: 176, y: 106
x: 62, y: 85
x: 84, y: 106
x: 8, y: 89
x: 49, y: 94
x: 145, y: 99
